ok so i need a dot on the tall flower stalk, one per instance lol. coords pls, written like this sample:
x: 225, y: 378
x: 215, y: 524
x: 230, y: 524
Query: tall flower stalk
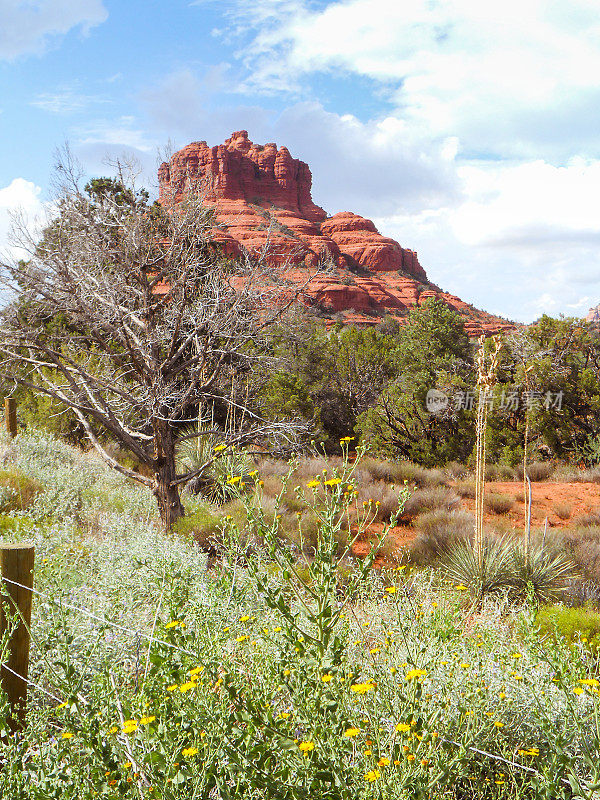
x: 486, y: 380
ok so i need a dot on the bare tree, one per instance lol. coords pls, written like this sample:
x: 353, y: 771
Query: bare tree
x: 128, y: 315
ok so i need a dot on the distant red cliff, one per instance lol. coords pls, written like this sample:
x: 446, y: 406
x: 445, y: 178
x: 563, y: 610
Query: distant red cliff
x: 262, y: 199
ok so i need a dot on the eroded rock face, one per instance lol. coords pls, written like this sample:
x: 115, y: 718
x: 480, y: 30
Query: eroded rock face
x: 262, y: 202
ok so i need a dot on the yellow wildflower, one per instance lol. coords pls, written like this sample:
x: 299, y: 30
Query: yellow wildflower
x: 415, y: 673
x: 147, y: 720
x: 582, y: 681
x: 383, y: 762
x: 185, y: 687
x: 333, y: 482
x: 313, y: 484
x: 189, y: 751
x: 67, y: 735
x: 327, y: 678
x: 306, y: 747
x: 372, y: 775
x: 402, y: 727
x: 391, y: 589
x: 130, y: 726
x: 362, y: 688
x: 350, y: 733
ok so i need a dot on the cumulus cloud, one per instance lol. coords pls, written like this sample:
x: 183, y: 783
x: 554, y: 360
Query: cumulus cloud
x: 530, y: 231
x: 31, y: 27
x: 20, y: 197
x: 475, y: 70
x: 377, y: 166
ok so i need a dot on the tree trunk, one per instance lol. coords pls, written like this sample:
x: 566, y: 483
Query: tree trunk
x: 167, y: 495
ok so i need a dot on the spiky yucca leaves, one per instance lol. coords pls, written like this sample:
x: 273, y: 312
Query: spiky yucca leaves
x: 492, y: 570
x: 545, y: 571
x: 212, y: 484
x: 507, y: 567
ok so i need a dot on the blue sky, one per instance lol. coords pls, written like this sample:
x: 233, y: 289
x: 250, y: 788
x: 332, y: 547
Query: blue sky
x: 467, y: 130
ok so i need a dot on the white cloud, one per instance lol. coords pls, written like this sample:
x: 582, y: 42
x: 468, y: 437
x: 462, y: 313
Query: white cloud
x: 30, y: 27
x: 530, y: 204
x: 522, y: 241
x: 118, y: 132
x: 465, y: 68
x: 65, y: 100
x: 19, y: 197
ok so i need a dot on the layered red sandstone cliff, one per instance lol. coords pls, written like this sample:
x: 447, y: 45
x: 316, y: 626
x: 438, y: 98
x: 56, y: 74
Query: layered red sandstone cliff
x: 262, y: 202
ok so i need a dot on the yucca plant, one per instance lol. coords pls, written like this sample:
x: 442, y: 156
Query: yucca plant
x: 488, y: 571
x: 212, y: 483
x: 544, y: 571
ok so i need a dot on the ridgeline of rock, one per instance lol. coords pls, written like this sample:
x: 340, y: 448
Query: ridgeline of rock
x: 593, y: 315
x: 262, y: 198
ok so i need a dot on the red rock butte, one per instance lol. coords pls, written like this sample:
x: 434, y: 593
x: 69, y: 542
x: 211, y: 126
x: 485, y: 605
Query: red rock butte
x: 262, y: 201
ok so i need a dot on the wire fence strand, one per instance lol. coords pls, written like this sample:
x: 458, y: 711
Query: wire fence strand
x: 98, y: 618
x: 151, y: 638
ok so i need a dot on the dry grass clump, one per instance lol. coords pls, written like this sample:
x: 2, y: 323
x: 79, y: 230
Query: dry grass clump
x: 456, y: 470
x: 499, y: 472
x: 568, y: 474
x: 383, y: 500
x: 306, y: 469
x: 537, y: 471
x: 400, y: 471
x: 583, y: 546
x: 465, y: 488
x: 498, y: 503
x: 436, y: 532
x: 590, y: 520
x: 563, y: 510
x: 272, y: 467
x: 433, y: 499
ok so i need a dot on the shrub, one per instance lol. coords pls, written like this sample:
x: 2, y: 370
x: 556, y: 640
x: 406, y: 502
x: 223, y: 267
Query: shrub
x: 591, y: 520
x: 383, y: 498
x: 436, y: 532
x: 571, y: 624
x: 465, y: 488
x: 537, y: 471
x: 569, y: 474
x: 17, y: 491
x: 498, y: 503
x: 499, y: 472
x: 455, y: 470
x: 583, y: 546
x: 400, y: 471
x: 275, y: 467
x: 581, y: 592
x: 563, y: 510
x: 430, y: 500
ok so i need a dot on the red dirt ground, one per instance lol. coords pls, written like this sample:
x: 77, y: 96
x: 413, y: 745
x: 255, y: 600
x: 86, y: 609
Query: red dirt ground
x: 584, y: 498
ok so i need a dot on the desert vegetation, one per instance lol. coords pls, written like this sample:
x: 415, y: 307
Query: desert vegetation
x: 280, y: 671
x: 265, y: 568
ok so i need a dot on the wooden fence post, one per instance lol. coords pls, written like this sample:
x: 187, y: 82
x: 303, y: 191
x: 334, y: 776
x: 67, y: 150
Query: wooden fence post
x: 10, y: 416
x: 17, y: 566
